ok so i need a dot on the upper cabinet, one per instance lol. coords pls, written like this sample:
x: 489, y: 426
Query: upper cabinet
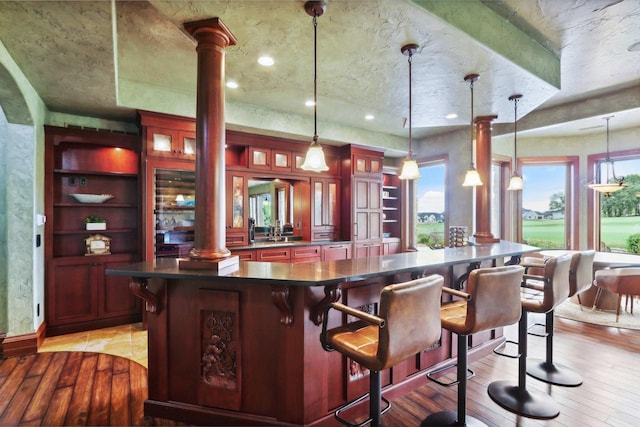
x: 325, y: 208
x: 366, y: 165
x: 270, y: 159
x: 167, y: 136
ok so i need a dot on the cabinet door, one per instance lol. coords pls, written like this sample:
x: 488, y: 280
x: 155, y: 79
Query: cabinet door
x: 237, y: 199
x: 366, y: 250
x: 186, y: 145
x: 366, y: 165
x: 367, y: 209
x: 161, y: 142
x: 325, y: 209
x: 259, y: 158
x: 281, y: 160
x: 71, y: 291
x: 115, y: 298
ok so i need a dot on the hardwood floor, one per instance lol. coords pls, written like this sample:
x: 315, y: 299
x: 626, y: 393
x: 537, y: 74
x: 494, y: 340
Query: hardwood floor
x: 83, y: 388
x: 607, y: 358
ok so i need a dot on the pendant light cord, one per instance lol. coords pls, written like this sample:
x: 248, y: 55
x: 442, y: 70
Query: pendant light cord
x: 410, y: 60
x: 472, y: 130
x: 315, y: 77
x: 515, y: 131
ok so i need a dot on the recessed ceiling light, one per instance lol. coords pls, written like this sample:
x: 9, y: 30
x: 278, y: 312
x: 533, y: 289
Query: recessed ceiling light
x: 451, y: 116
x: 266, y: 61
x: 369, y: 117
x: 634, y: 47
x: 232, y: 85
x: 309, y: 103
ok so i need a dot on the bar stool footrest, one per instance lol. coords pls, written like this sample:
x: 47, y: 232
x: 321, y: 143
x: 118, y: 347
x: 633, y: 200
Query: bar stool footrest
x: 449, y: 418
x: 531, y: 404
x: 537, y: 334
x: 349, y: 405
x: 504, y: 345
x: 470, y: 374
x: 555, y: 374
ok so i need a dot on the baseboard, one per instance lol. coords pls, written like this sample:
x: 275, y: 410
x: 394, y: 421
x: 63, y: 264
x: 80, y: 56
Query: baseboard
x: 20, y: 345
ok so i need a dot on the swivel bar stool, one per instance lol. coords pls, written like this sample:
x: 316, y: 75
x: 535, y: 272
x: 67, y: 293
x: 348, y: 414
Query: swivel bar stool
x: 408, y: 321
x: 535, y: 298
x: 579, y: 279
x: 492, y: 300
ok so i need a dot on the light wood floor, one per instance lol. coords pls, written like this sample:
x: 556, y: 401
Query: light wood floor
x: 608, y: 359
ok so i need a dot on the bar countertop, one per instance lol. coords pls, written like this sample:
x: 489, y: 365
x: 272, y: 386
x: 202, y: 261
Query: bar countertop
x: 328, y: 272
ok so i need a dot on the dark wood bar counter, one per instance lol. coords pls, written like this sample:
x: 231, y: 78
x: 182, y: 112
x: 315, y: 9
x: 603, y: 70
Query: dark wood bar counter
x: 243, y: 348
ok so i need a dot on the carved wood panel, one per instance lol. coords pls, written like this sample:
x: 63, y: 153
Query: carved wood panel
x: 219, y: 379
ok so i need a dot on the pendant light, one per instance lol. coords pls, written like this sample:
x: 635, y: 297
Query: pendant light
x: 409, y: 167
x: 515, y: 183
x: 314, y: 160
x: 611, y: 183
x: 472, y: 177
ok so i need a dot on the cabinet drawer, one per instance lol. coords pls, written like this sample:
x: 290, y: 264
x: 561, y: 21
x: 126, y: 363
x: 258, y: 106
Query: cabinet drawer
x: 245, y: 255
x: 336, y: 252
x: 236, y: 239
x: 275, y: 254
x: 306, y: 254
x: 323, y: 235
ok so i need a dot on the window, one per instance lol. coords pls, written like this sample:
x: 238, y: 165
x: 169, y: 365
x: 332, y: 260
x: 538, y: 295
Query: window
x: 430, y: 205
x: 548, y: 217
x: 618, y: 216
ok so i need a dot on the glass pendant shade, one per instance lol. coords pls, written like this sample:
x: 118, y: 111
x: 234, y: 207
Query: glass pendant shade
x: 410, y: 169
x: 515, y: 183
x: 472, y: 178
x: 611, y: 183
x: 314, y: 160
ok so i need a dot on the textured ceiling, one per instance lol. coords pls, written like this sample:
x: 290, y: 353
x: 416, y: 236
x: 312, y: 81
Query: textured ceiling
x: 106, y: 59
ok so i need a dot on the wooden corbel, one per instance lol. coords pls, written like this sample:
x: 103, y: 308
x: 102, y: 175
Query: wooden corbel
x: 139, y: 288
x: 332, y: 294
x: 280, y: 298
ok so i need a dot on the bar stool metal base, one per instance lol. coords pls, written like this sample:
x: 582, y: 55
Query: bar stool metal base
x: 521, y: 401
x: 553, y: 373
x: 450, y: 418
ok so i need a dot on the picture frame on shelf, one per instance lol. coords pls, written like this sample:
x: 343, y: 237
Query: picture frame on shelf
x: 98, y: 244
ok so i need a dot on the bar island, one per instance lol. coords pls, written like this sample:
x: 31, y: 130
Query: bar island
x: 242, y: 348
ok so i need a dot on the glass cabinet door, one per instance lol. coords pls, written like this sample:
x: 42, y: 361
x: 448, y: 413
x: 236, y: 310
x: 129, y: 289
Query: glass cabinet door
x: 174, y: 212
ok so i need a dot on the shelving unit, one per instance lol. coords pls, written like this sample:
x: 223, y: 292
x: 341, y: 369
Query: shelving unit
x: 391, y: 202
x: 78, y: 295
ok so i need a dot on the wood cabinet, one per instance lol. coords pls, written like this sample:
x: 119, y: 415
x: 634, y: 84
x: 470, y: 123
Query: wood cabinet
x: 367, y: 209
x: 167, y: 136
x: 366, y: 250
x: 366, y: 165
x: 282, y: 254
x: 237, y: 194
x: 270, y: 159
x: 78, y: 296
x: 335, y: 252
x: 391, y: 245
x: 306, y: 254
x: 325, y: 212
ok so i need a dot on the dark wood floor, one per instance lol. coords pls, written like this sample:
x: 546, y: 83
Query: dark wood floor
x: 69, y: 388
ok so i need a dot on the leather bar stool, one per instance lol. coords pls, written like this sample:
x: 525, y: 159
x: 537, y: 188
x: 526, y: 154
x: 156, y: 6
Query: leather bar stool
x: 540, y: 297
x: 622, y: 281
x: 492, y: 300
x: 408, y: 321
x: 578, y: 279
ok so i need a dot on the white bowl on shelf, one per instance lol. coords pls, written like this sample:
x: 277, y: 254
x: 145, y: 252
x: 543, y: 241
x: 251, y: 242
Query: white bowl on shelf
x: 91, y: 198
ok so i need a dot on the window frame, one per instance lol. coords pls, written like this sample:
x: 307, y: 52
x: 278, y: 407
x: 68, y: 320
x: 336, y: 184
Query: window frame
x: 593, y: 200
x: 572, y: 218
